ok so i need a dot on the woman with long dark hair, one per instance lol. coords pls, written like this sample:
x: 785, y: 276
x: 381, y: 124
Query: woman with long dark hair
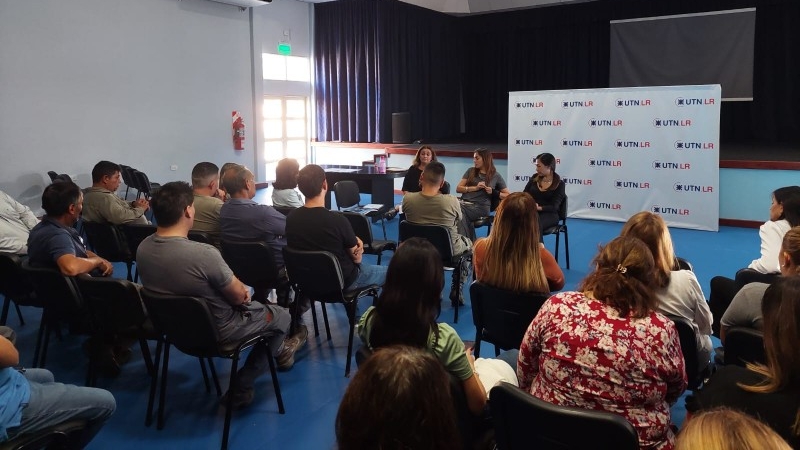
x: 477, y: 187
x: 547, y: 190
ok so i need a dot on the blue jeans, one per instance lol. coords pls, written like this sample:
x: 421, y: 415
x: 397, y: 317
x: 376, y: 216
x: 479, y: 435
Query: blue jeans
x: 53, y: 403
x: 368, y: 275
x: 509, y: 356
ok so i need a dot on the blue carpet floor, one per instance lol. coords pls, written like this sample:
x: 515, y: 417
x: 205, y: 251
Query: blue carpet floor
x: 313, y: 388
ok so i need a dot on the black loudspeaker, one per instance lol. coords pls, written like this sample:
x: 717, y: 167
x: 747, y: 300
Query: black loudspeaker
x: 401, y: 128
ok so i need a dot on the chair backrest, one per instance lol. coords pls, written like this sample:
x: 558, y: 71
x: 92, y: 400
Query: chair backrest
x: 252, y: 262
x: 114, y: 304
x: 142, y: 183
x: 361, y: 226
x: 347, y: 194
x: 445, y: 189
x: 437, y: 235
x: 108, y: 241
x: 200, y: 236
x: 285, y: 210
x: 186, y: 322
x: 522, y: 421
x: 743, y: 345
x: 503, y: 316
x: 135, y: 234
x: 316, y: 274
x: 57, y: 292
x: 125, y: 171
x: 10, y: 273
x: 684, y: 264
x: 688, y: 338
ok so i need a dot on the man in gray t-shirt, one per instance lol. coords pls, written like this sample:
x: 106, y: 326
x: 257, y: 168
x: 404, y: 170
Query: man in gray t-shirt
x: 169, y: 263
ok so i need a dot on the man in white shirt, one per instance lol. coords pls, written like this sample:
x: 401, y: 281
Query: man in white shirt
x: 16, y: 222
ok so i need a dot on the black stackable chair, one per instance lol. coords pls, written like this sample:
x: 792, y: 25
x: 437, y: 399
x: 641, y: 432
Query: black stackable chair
x: 439, y: 236
x: 488, y: 220
x: 744, y: 345
x: 363, y: 229
x: 684, y: 264
x: 522, y: 422
x: 502, y: 317
x: 109, y: 242
x: 688, y: 339
x: 254, y: 264
x: 285, y: 210
x: 15, y: 287
x: 559, y: 228
x: 55, y: 437
x: 187, y: 324
x: 318, y: 276
x: 116, y: 309
x: 348, y: 198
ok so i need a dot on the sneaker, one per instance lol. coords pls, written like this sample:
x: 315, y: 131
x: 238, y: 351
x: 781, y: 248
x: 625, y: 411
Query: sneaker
x: 301, y: 333
x: 286, y: 356
x: 241, y: 399
x: 390, y: 214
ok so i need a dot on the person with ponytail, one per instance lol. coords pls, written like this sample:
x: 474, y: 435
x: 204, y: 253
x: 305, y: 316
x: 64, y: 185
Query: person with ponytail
x: 607, y: 348
x: 771, y: 391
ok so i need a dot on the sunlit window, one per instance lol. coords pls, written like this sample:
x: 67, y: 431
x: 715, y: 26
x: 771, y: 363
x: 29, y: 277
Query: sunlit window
x: 286, y: 68
x: 286, y: 125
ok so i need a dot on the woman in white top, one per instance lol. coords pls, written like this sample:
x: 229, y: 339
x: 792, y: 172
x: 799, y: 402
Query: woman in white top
x: 285, y: 186
x: 784, y: 213
x: 678, y: 291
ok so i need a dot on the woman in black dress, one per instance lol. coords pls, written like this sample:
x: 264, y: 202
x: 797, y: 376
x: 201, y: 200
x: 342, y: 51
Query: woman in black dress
x: 547, y: 189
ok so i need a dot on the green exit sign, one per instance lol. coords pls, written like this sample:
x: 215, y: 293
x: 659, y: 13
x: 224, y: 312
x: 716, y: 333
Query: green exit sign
x: 285, y: 49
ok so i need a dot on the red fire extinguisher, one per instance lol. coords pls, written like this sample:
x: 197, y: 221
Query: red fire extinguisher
x: 238, y: 131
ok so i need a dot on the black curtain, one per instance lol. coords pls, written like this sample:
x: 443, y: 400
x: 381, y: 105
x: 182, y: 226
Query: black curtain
x: 373, y: 58
x: 439, y: 67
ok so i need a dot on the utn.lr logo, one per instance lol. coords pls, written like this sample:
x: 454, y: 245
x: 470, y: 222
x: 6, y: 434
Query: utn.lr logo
x: 605, y: 123
x: 619, y: 143
x: 578, y: 181
x: 522, y: 178
x: 605, y: 163
x: 577, y: 104
x: 594, y: 204
x: 672, y: 123
x: 681, y: 187
x: 624, y: 102
x: 575, y: 143
x: 683, y: 101
x: 528, y: 142
x: 667, y: 210
x: 545, y: 123
x: 529, y: 105
x: 626, y: 184
x: 687, y: 145
x: 659, y: 165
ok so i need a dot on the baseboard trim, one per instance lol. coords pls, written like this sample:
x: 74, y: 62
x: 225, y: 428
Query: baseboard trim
x: 740, y: 223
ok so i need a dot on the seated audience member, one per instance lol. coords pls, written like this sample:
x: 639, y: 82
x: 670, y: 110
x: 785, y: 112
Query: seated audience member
x: 606, y: 348
x: 314, y: 227
x: 205, y: 184
x: 727, y: 429
x: 223, y: 194
x: 33, y: 401
x: 406, y: 314
x: 171, y: 264
x: 430, y: 207
x: 412, y: 181
x: 477, y: 187
x: 547, y: 189
x: 243, y: 219
x: 678, y: 291
x: 55, y: 243
x: 784, y: 213
x: 745, y: 309
x: 771, y: 391
x: 16, y: 223
x: 512, y: 257
x: 399, y: 399
x: 102, y: 204
x: 284, y: 191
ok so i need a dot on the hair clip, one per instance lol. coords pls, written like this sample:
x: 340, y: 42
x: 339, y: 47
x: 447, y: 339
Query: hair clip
x: 621, y: 268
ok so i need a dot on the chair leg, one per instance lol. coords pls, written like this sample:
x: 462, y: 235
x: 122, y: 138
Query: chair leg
x: 148, y: 418
x: 379, y: 260
x: 496, y: 350
x: 314, y: 316
x: 148, y: 359
x: 6, y: 306
x: 39, y: 339
x: 19, y: 314
x: 566, y: 245
x: 558, y: 235
x: 163, y: 394
x: 232, y: 385
x: 325, y: 319
x: 383, y: 224
x: 351, y: 317
x: 205, y: 374
x: 275, y: 382
x: 130, y: 270
x: 212, y: 368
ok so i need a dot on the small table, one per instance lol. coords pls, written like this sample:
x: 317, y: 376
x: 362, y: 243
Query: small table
x: 369, y: 180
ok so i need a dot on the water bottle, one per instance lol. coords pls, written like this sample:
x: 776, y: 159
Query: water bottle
x: 382, y: 164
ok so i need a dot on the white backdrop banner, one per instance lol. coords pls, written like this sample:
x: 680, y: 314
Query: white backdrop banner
x: 624, y: 150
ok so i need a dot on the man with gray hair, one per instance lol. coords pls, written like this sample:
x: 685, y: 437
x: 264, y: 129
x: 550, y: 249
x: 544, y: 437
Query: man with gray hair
x: 16, y: 223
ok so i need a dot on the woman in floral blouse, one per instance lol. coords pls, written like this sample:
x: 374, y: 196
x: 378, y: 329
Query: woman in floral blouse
x: 606, y: 348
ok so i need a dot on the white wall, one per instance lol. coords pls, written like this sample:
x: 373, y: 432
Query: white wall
x: 147, y: 83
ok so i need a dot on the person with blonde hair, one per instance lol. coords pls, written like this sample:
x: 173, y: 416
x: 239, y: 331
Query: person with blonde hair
x: 726, y: 429
x: 512, y: 257
x: 745, y: 309
x: 771, y: 391
x: 678, y: 291
x: 399, y: 399
x: 607, y: 348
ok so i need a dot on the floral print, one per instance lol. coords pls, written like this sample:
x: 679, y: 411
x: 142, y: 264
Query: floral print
x: 579, y: 352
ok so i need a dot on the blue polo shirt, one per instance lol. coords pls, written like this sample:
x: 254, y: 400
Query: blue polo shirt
x: 245, y: 220
x: 50, y: 240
